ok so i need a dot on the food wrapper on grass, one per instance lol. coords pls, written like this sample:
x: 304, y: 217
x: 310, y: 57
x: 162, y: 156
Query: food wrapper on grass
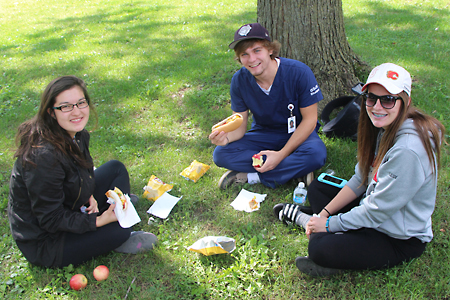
x: 248, y: 201
x: 162, y: 207
x: 195, y: 171
x: 211, y: 245
x: 155, y: 188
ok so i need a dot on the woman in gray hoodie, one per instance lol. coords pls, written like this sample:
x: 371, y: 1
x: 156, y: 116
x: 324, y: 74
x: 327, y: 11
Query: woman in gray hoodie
x: 393, y: 192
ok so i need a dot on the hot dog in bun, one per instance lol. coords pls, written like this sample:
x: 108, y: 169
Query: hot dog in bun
x: 229, y: 124
x: 118, y: 197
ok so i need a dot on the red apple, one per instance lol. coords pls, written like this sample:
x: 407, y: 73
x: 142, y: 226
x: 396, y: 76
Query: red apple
x: 257, y: 161
x: 78, y: 282
x: 101, y: 273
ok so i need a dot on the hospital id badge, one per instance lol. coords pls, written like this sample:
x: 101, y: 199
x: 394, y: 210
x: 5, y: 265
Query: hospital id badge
x: 291, y: 124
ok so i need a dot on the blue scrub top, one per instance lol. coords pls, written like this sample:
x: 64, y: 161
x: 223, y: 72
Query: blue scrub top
x: 294, y: 84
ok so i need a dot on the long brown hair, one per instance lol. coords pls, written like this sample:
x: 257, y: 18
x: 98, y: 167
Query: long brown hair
x: 427, y: 128
x: 44, y: 128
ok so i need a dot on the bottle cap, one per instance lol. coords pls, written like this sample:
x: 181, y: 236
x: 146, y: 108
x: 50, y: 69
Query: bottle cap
x: 301, y: 184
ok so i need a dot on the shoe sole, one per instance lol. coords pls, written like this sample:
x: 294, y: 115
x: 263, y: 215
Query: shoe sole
x: 276, y: 210
x: 309, y: 179
x: 224, y: 181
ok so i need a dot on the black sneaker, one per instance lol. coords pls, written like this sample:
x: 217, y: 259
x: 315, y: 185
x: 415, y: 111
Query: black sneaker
x: 231, y: 177
x: 307, y: 266
x: 288, y: 213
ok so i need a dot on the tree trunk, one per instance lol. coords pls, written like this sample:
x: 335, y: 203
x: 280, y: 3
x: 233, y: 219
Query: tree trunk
x: 312, y: 31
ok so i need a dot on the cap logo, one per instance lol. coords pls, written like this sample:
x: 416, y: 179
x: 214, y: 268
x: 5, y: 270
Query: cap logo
x: 244, y: 30
x: 392, y: 75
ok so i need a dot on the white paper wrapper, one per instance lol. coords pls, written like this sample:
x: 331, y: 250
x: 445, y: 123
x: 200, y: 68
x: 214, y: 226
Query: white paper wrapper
x: 210, y: 245
x: 243, y: 199
x: 163, y: 205
x: 128, y: 217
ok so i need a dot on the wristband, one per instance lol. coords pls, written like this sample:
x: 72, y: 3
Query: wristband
x: 327, y: 211
x: 327, y: 224
x: 228, y: 141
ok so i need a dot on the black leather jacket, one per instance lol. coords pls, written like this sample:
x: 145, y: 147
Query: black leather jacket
x: 45, y: 200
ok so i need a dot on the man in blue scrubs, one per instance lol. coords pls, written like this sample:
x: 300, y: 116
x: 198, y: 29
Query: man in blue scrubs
x: 282, y: 96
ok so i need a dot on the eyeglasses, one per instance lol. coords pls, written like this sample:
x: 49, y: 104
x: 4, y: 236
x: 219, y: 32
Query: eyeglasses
x: 387, y: 101
x: 69, y: 107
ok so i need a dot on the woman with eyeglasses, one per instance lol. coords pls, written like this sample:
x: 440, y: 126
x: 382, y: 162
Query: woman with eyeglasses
x: 382, y: 216
x: 57, y: 206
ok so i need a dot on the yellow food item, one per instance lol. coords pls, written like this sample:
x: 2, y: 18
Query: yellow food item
x: 195, y: 171
x: 155, y: 188
x: 229, y: 124
x: 253, y: 203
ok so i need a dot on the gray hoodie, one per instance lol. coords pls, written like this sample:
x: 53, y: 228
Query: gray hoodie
x: 401, y: 197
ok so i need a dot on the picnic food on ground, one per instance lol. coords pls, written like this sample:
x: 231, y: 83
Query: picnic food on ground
x: 211, y: 245
x: 194, y: 171
x: 257, y: 160
x: 253, y: 203
x: 78, y: 282
x: 229, y: 124
x: 101, y: 273
x: 118, y: 197
x: 155, y: 188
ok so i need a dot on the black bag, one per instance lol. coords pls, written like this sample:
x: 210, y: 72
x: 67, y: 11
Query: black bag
x: 345, y: 124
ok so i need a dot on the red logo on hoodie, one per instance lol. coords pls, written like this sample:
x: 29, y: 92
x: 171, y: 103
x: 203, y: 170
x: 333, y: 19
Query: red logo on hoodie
x: 392, y: 75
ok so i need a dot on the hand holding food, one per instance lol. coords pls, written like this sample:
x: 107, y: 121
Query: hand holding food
x: 229, y: 124
x: 219, y: 138
x: 118, y: 197
x: 271, y: 160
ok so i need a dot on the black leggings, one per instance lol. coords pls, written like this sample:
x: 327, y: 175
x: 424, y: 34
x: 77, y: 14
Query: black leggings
x: 108, y: 176
x: 361, y: 249
x: 79, y: 248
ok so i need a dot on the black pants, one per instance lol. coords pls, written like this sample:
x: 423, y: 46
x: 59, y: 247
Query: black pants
x: 361, y: 249
x: 79, y: 248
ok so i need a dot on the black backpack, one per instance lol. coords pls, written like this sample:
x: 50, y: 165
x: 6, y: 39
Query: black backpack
x: 345, y: 124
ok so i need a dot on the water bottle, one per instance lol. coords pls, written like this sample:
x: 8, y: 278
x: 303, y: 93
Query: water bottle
x: 300, y: 194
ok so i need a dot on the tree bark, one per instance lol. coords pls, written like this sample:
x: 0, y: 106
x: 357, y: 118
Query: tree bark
x: 312, y: 31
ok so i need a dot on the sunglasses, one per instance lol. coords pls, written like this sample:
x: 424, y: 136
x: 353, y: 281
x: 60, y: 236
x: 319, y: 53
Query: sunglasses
x: 387, y: 101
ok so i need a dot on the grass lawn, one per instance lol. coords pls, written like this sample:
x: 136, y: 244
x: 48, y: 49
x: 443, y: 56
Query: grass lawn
x: 159, y: 72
